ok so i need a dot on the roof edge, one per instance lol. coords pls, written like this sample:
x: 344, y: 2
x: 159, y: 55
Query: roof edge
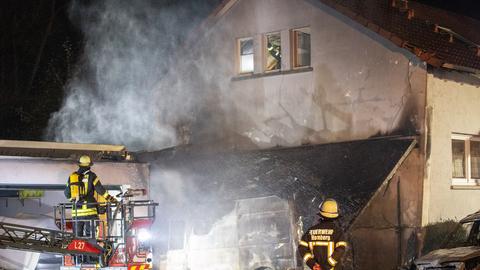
x: 222, y: 8
x: 189, y: 147
x: 42, y: 145
x: 461, y: 68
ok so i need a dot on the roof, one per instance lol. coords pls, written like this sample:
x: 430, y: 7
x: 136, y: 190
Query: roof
x: 350, y: 172
x: 438, y: 37
x: 441, y: 38
x: 60, y: 150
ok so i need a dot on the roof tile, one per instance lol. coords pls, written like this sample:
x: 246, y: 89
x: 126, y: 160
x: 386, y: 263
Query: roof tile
x: 409, y: 26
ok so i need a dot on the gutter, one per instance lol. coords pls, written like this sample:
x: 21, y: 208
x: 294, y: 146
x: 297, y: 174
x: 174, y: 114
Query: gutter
x: 461, y: 68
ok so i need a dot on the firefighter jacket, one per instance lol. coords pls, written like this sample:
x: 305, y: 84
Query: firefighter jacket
x: 82, y: 187
x: 323, y: 244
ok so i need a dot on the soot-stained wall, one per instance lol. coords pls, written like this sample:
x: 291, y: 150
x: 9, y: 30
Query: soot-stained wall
x: 387, y: 234
x: 359, y: 85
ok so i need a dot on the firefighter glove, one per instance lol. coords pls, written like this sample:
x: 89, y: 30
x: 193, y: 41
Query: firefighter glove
x: 112, y: 199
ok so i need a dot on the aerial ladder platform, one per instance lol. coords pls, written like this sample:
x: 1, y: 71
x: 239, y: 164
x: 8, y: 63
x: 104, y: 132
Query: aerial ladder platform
x: 120, y: 239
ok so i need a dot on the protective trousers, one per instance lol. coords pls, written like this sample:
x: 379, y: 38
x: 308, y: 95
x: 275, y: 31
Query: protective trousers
x: 85, y: 226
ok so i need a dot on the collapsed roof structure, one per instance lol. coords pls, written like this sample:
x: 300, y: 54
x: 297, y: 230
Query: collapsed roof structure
x: 351, y: 172
x: 213, y: 185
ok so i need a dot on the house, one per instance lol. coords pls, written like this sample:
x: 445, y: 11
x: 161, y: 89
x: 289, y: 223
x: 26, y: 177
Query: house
x: 374, y: 103
x: 289, y: 73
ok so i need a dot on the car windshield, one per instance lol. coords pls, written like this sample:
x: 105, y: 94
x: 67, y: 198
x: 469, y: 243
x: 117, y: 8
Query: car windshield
x: 461, y: 236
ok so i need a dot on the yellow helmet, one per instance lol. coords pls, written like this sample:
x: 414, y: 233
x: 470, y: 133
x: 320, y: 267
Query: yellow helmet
x: 85, y: 161
x: 329, y: 209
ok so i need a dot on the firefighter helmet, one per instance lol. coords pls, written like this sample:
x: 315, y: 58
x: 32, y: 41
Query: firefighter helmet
x: 329, y: 208
x: 85, y: 161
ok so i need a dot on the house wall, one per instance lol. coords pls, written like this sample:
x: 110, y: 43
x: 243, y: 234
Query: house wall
x: 453, y: 107
x: 360, y: 85
x: 394, y: 213
x: 44, y: 171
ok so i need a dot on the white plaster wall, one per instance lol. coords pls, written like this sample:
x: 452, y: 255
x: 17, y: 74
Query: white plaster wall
x: 454, y: 101
x: 361, y: 85
x: 41, y: 171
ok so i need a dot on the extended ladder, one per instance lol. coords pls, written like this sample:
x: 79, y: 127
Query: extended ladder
x: 13, y: 236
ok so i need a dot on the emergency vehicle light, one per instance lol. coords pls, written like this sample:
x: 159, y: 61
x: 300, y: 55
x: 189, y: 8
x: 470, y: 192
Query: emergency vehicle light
x: 143, y: 235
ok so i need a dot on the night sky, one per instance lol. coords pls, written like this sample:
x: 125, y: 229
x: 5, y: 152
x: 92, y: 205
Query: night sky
x: 40, y: 49
x: 470, y: 8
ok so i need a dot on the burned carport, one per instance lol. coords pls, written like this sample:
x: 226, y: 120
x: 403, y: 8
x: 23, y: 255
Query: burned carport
x: 216, y: 194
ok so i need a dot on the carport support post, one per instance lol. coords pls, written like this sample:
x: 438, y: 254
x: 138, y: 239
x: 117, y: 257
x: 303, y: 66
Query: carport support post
x: 399, y: 224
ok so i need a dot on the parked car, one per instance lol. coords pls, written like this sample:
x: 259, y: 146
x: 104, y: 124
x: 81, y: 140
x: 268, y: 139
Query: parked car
x: 465, y: 255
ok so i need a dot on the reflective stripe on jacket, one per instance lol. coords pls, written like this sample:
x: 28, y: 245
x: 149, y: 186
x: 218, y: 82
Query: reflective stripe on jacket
x: 323, y: 244
x: 84, y: 210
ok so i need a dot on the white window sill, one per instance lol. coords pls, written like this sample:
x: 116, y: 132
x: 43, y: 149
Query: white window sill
x: 462, y: 183
x: 241, y: 77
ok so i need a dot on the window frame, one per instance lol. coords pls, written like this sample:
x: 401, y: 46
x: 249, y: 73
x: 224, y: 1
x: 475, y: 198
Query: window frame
x: 239, y: 55
x: 468, y: 180
x: 294, y: 47
x: 265, y: 51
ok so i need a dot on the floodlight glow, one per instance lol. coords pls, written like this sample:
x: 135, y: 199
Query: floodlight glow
x: 143, y: 235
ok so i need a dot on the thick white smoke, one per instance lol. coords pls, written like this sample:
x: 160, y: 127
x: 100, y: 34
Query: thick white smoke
x: 127, y: 89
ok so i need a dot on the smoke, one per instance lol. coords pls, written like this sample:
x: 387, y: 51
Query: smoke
x: 128, y: 88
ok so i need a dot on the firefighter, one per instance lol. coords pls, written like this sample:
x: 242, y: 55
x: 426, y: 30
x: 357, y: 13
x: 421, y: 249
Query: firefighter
x: 80, y: 190
x: 323, y: 245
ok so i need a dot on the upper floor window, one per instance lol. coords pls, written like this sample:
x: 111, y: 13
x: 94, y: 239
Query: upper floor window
x: 301, y: 48
x: 246, y: 56
x: 273, y: 52
x: 465, y: 159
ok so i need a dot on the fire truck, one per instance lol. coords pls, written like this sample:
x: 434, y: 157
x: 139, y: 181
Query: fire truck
x: 119, y: 238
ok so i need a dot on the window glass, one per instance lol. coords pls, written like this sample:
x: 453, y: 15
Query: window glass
x: 246, y: 55
x: 302, y: 48
x: 475, y: 159
x: 274, y: 52
x: 458, y: 158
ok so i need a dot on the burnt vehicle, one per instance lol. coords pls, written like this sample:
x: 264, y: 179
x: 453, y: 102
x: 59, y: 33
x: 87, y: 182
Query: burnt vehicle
x: 464, y: 254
